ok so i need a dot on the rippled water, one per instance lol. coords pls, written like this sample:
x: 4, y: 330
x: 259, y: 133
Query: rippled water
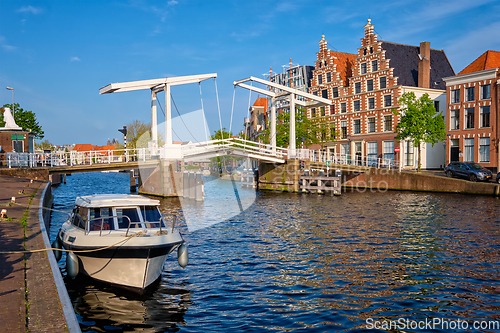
x: 294, y: 262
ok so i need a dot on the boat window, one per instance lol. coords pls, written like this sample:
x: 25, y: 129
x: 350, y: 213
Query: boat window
x: 151, y: 214
x: 123, y: 222
x: 97, y: 219
x: 80, y: 217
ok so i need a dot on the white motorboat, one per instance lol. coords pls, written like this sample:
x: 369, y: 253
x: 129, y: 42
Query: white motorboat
x: 121, y: 239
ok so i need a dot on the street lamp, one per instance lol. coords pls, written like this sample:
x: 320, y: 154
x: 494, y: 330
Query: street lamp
x: 13, y: 115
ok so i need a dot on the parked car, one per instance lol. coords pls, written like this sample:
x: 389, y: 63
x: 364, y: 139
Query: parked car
x: 498, y: 178
x: 468, y: 170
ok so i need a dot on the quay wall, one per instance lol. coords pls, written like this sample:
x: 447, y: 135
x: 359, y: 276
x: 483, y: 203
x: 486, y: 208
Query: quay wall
x: 285, y: 177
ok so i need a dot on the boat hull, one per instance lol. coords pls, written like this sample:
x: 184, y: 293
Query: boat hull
x: 133, y: 268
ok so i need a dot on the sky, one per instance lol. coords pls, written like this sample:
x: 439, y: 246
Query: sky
x: 58, y: 54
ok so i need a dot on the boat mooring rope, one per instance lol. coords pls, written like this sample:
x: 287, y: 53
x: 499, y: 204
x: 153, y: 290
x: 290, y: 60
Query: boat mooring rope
x: 64, y: 250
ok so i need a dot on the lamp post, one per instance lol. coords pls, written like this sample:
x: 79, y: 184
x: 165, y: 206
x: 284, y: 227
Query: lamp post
x: 13, y: 116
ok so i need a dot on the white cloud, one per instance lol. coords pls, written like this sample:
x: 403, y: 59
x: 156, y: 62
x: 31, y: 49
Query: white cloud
x: 30, y: 9
x: 75, y: 59
x: 172, y: 2
x: 286, y: 7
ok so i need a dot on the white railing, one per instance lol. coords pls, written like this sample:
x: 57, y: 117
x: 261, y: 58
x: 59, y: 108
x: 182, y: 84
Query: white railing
x: 346, y: 159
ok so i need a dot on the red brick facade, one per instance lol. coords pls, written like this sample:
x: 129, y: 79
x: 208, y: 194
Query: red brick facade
x: 365, y: 90
x: 473, y: 103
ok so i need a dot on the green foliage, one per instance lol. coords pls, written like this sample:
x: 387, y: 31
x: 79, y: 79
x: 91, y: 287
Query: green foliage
x: 139, y: 134
x: 45, y: 145
x: 218, y: 135
x: 307, y: 131
x: 24, y: 119
x: 419, y: 121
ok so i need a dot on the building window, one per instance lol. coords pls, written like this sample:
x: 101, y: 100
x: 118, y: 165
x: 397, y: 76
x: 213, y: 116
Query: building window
x: 469, y: 118
x: 328, y: 77
x: 357, y: 87
x: 469, y: 94
x: 369, y: 85
x: 484, y: 149
x: 469, y: 150
x: 343, y: 107
x: 408, y: 153
x: 374, y: 65
x: 313, y: 112
x: 486, y: 91
x: 335, y: 92
x: 436, y: 106
x: 332, y: 109
x: 387, y: 100
x: 383, y: 82
x: 357, y: 126
x: 484, y: 116
x: 371, y: 124
x: 333, y: 132
x: 455, y: 96
x: 357, y: 105
x: 324, y: 93
x: 455, y: 119
x: 371, y: 103
x: 343, y: 129
x: 388, y: 151
x: 320, y: 79
x: 371, y: 153
x: 363, y: 68
x: 388, y: 123
x: 322, y: 111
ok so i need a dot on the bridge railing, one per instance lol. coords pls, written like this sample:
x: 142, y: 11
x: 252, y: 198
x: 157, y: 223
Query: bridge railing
x: 236, y: 143
x: 52, y: 159
x: 347, y: 159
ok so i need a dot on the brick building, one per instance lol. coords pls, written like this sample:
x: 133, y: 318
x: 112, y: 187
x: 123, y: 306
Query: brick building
x: 365, y: 88
x: 258, y: 119
x: 473, y: 104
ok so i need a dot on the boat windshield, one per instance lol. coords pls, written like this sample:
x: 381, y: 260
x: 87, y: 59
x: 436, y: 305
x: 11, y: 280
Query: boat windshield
x: 123, y: 223
x: 151, y: 214
x: 99, y: 217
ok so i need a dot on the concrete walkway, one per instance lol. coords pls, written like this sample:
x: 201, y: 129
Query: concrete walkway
x: 29, y: 299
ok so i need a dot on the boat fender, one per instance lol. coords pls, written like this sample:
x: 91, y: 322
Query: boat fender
x: 182, y: 255
x: 56, y: 244
x: 72, y: 265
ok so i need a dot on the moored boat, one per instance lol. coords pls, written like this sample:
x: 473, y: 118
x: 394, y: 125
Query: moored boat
x: 120, y: 239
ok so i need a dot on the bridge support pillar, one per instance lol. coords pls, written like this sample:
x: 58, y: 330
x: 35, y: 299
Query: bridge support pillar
x: 280, y: 177
x: 163, y: 179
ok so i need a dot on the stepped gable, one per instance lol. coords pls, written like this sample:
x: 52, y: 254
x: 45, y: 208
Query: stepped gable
x: 488, y: 60
x: 405, y: 58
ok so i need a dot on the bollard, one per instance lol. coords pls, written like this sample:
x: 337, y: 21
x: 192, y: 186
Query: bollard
x: 192, y: 185
x: 199, y: 187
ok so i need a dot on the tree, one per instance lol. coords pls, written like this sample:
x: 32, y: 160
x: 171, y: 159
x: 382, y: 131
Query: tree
x: 218, y: 135
x: 44, y: 145
x: 419, y: 121
x: 307, y: 131
x: 24, y: 119
x: 139, y: 134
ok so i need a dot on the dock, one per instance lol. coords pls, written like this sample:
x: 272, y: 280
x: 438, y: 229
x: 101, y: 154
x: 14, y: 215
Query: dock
x: 29, y: 293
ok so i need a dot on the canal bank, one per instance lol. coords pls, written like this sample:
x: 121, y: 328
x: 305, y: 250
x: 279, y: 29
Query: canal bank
x: 286, y: 177
x: 32, y: 295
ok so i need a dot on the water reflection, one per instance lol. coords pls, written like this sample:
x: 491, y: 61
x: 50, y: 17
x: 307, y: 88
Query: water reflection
x: 306, y: 262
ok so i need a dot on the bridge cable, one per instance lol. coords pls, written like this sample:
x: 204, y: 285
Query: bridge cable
x: 218, y: 107
x: 232, y: 110
x: 248, y: 111
x: 205, y: 125
x: 178, y: 137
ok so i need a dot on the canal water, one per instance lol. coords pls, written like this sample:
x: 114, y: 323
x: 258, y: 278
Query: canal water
x: 280, y: 262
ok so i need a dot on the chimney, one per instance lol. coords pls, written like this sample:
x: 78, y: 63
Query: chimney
x: 424, y: 65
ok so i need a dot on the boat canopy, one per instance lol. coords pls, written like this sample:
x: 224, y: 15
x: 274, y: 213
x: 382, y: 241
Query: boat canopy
x: 112, y: 200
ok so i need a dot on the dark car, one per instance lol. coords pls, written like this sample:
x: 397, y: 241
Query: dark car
x: 498, y: 178
x: 468, y: 170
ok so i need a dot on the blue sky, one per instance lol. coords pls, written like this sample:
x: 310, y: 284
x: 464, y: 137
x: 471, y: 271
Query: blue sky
x: 57, y: 54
